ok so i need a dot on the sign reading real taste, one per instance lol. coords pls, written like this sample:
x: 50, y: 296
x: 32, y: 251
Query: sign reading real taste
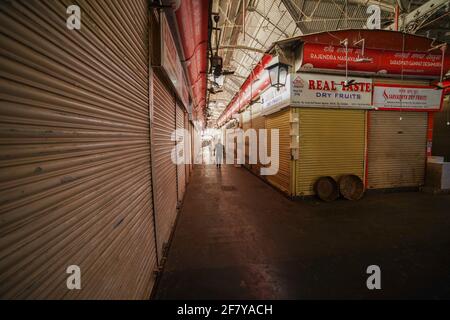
x: 393, y: 97
x: 319, y: 90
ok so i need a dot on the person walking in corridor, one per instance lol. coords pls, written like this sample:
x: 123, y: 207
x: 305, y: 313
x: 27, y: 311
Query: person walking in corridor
x: 218, y: 151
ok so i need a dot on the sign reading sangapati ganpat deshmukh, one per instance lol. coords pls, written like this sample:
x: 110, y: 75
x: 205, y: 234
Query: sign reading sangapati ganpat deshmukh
x: 395, y: 97
x: 328, y: 91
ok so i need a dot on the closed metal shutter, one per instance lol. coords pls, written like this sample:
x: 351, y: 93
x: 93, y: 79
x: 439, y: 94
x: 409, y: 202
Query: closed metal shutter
x: 187, y: 148
x: 258, y: 122
x: 331, y: 143
x: 75, y: 177
x: 165, y: 174
x: 181, y: 171
x: 280, y: 120
x: 246, y: 124
x: 191, y: 149
x: 396, y: 149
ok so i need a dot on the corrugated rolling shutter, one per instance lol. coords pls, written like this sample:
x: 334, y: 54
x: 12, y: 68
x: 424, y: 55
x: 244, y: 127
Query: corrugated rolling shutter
x: 187, y: 148
x: 191, y: 149
x: 75, y: 177
x: 246, y: 124
x: 165, y: 175
x: 331, y: 143
x: 396, y: 149
x: 280, y: 120
x: 258, y: 122
x: 181, y: 171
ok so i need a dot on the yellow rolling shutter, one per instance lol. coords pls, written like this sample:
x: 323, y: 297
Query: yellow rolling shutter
x: 258, y: 122
x: 332, y: 143
x: 246, y: 124
x: 280, y: 120
x: 75, y: 177
x: 396, y: 149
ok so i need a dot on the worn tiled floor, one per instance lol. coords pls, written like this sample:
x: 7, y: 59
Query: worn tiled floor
x: 238, y: 238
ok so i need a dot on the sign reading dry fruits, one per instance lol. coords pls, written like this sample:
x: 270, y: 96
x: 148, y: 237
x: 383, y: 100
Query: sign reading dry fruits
x: 318, y: 90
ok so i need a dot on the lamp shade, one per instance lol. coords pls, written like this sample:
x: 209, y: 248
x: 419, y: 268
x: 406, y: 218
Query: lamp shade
x: 278, y: 73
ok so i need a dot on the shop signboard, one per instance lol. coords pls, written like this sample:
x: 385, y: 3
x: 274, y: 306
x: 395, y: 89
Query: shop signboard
x: 407, y: 98
x: 322, y: 56
x: 170, y: 62
x: 329, y: 91
x: 273, y: 100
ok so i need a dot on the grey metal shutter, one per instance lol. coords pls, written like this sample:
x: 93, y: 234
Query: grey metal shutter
x: 181, y: 171
x: 191, y: 149
x: 187, y: 148
x: 165, y: 174
x: 75, y: 178
x: 396, y: 149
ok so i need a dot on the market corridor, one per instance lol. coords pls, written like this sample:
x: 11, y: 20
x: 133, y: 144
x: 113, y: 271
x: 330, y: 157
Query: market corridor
x: 238, y: 238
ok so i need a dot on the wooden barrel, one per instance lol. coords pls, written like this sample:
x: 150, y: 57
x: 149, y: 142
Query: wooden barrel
x: 351, y: 187
x: 326, y: 189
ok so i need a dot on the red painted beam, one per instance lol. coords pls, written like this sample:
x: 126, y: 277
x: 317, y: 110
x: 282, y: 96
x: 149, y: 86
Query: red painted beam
x: 249, y: 90
x: 192, y: 20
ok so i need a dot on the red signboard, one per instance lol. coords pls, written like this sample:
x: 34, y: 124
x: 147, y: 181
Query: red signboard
x: 321, y: 56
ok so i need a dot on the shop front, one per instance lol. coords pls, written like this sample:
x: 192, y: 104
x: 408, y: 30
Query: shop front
x: 170, y: 98
x: 323, y: 131
x: 333, y: 129
x: 352, y: 104
x: 398, y: 140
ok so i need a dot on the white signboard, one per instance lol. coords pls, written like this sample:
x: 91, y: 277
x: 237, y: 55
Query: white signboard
x: 273, y: 100
x: 393, y: 97
x: 328, y: 91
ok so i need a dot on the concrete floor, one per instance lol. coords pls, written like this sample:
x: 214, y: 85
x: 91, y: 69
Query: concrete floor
x: 238, y: 238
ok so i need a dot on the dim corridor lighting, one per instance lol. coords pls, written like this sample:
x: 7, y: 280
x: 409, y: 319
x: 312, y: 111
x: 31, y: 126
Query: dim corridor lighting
x: 278, y: 73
